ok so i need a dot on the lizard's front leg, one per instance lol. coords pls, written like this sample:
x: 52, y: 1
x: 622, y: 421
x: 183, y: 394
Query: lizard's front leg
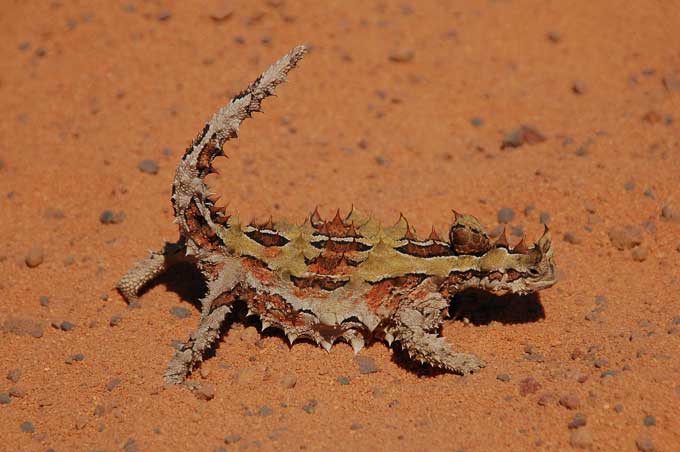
x: 146, y: 270
x: 416, y: 324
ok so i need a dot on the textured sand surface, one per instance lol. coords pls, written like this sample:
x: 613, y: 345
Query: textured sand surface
x: 400, y: 107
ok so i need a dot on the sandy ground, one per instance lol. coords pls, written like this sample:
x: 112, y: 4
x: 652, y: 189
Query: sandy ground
x: 400, y: 107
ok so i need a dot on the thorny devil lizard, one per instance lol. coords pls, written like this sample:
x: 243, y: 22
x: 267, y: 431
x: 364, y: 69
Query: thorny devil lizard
x: 344, y: 279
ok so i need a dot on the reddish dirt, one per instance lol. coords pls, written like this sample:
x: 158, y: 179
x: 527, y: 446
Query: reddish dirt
x: 90, y: 89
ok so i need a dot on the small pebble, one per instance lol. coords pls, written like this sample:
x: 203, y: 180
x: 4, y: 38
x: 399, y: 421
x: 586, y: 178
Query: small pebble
x: 112, y: 384
x: 148, y: 166
x: 629, y: 185
x: 34, y: 257
x: 554, y: 36
x: 579, y: 87
x: 221, y: 12
x: 356, y: 426
x: 231, y: 439
x: 667, y: 212
x: 578, y: 421
x: 639, y: 254
x: 115, y: 320
x: 652, y: 117
x: 546, y: 399
x: 130, y: 445
x: 618, y: 408
x: 14, y: 374
x: 343, y: 380
x: 528, y: 386
x: 401, y: 55
x: 625, y: 237
x: 522, y: 135
x: 44, y: 301
x: 581, y: 438
x: 66, y: 326
x: 505, y: 215
x: 81, y: 422
x: 289, y: 381
x: 205, y: 392
x: 570, y: 401
x: 265, y: 411
x: 600, y: 363
x: 17, y: 392
x: 571, y: 238
x: 180, y: 312
x: 503, y: 377
x: 5, y: 398
x: 163, y: 16
x: 544, y: 218
x: 310, y: 407
x: 649, y: 421
x: 645, y: 444
x: 109, y: 217
x: 27, y: 427
x: 477, y: 122
x: 366, y: 364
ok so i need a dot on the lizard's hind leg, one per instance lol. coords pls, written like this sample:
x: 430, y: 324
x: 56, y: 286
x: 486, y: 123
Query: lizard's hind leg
x: 146, y: 270
x: 199, y: 342
x: 215, y: 306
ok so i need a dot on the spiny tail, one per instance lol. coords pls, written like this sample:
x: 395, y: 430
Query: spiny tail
x: 195, y: 211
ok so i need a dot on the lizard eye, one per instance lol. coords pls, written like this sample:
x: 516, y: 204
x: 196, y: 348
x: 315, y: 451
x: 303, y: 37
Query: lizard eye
x: 533, y: 271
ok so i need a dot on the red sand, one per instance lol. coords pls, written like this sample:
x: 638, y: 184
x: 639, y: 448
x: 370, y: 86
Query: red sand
x: 89, y: 89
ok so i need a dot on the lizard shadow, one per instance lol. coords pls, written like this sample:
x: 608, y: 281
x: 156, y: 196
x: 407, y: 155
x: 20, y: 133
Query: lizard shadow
x: 482, y: 308
x: 479, y: 308
x: 185, y: 280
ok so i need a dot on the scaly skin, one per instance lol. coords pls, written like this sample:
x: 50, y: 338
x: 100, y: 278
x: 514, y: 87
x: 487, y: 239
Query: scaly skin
x: 344, y: 279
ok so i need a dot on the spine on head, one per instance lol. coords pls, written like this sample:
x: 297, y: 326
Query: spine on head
x: 194, y: 208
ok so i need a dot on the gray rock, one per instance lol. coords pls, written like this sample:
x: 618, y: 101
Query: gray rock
x: 366, y: 364
x: 148, y: 166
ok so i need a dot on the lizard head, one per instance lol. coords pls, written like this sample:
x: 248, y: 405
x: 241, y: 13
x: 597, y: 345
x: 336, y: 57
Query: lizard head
x: 496, y: 266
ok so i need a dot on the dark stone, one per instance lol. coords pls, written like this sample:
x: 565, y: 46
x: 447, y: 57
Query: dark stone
x: 148, y: 166
x: 27, y: 427
x: 366, y: 364
x: 524, y: 134
x: 66, y: 326
x: 180, y: 312
x: 113, y: 383
x: 310, y: 407
x: 109, y: 217
x: 578, y: 421
x: 505, y: 215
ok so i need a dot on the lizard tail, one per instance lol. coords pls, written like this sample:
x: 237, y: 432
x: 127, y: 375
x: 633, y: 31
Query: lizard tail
x: 195, y: 209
